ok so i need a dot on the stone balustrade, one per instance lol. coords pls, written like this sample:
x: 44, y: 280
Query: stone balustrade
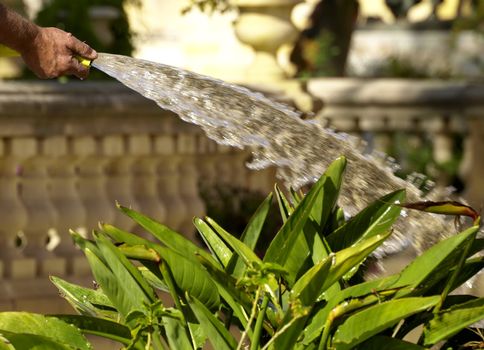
x: 68, y: 152
x: 432, y: 112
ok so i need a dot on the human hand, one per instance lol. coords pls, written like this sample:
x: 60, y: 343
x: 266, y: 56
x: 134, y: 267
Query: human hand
x: 53, y: 53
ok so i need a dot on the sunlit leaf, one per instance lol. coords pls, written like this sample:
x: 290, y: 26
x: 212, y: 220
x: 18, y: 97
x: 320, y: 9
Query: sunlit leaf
x: 45, y: 329
x: 374, y: 319
x: 214, y: 328
x: 451, y: 321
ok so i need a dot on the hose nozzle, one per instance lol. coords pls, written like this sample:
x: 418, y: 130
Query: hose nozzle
x: 8, y: 52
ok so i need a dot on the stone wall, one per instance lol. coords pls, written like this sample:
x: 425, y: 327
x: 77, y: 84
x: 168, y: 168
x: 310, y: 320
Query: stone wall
x: 69, y: 152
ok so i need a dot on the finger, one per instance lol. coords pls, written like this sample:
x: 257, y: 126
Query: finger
x: 77, y: 69
x: 80, y: 48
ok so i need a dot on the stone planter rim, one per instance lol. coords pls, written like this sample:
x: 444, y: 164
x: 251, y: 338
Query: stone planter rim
x: 257, y: 3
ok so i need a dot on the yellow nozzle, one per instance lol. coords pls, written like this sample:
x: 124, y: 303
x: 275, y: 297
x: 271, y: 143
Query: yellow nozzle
x: 84, y: 61
x: 8, y: 52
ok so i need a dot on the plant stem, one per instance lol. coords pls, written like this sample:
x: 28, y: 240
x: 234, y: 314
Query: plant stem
x: 259, y: 323
x: 171, y: 286
x: 279, y: 332
x: 324, y: 337
x: 251, y: 318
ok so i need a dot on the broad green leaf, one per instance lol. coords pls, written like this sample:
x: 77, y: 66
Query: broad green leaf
x: 168, y: 237
x: 285, y: 208
x: 449, y: 322
x: 124, y: 270
x: 246, y: 253
x: 381, y: 342
x: 328, y: 197
x: 5, y: 344
x: 126, y: 296
x: 374, y: 319
x: 131, y: 239
x: 99, y: 327
x: 213, y: 242
x: 308, y: 287
x: 341, y: 263
x: 217, y: 334
x: 251, y: 235
x: 316, y: 324
x: 292, y: 244
x: 296, y: 196
x: 227, y: 283
x: 47, y: 328
x: 304, y: 292
x: 348, y: 258
x: 436, y: 261
x: 121, y: 236
x: 191, y: 277
x: 375, y: 219
x: 238, y: 301
x: 84, y: 244
x: 283, y: 243
x: 154, y: 280
x: 85, y: 300
x: 138, y: 252
x: 21, y: 341
x: 197, y: 334
x: 176, y: 334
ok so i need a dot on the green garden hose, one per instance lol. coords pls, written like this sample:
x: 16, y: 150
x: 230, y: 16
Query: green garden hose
x: 8, y: 52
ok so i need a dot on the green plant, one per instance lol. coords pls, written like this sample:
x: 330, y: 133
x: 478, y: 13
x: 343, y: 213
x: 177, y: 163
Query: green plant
x: 234, y: 205
x: 301, y: 295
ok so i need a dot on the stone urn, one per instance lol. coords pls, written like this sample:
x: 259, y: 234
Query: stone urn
x: 266, y: 26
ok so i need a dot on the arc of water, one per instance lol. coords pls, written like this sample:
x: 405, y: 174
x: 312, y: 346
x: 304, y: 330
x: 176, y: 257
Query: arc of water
x: 301, y: 149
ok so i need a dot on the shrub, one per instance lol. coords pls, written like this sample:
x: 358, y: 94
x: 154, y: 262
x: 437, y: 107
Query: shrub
x: 300, y: 295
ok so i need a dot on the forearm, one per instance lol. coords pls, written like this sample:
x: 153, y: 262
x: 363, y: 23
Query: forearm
x: 16, y: 32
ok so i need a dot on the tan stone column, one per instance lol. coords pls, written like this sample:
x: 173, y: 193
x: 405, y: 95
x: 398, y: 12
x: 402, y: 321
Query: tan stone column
x: 473, y: 165
x: 265, y: 25
x: 91, y: 167
x: 169, y: 182
x: 13, y: 216
x: 65, y: 199
x: 145, y: 177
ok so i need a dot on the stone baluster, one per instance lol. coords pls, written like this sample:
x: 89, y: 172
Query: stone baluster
x: 42, y: 236
x: 186, y: 148
x: 65, y: 198
x: 13, y: 217
x: 349, y: 124
x: 207, y: 162
x: 376, y: 133
x: 443, y: 145
x: 169, y: 182
x: 226, y: 173
x: 407, y: 130
x: 145, y: 177
x: 91, y: 167
x: 472, y: 168
x: 275, y: 17
x: 120, y: 178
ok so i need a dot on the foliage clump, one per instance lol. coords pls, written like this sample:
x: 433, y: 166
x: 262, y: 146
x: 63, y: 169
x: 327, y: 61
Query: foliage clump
x: 304, y: 293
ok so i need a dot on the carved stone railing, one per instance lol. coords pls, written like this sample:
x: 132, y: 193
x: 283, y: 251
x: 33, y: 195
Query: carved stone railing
x: 69, y: 152
x: 423, y: 110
